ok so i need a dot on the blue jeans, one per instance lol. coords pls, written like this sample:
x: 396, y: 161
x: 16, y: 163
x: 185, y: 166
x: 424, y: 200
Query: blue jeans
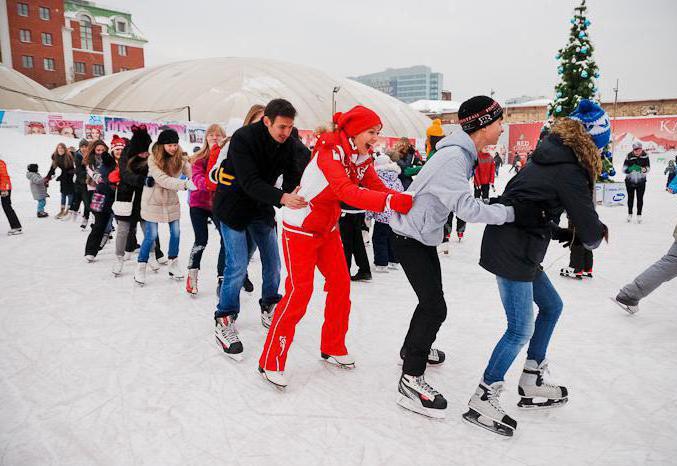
x: 518, y: 299
x: 66, y: 199
x: 151, y: 234
x: 41, y: 205
x: 240, y: 245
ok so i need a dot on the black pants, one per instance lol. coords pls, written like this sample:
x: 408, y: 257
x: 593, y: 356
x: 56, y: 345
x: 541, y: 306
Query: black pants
x: 482, y: 191
x: 80, y: 195
x: 198, y: 218
x: 448, y: 228
x: 383, y: 244
x: 101, y: 220
x: 580, y: 258
x: 421, y: 264
x: 632, y: 189
x: 350, y: 226
x: 9, y: 211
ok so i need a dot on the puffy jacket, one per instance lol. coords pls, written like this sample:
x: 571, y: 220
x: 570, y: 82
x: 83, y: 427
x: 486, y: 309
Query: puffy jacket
x: 5, y: 181
x: 556, y: 181
x: 335, y: 173
x: 636, y: 167
x: 246, y: 177
x: 66, y: 177
x: 38, y: 188
x: 442, y: 187
x: 201, y: 197
x: 485, y: 169
x: 160, y: 204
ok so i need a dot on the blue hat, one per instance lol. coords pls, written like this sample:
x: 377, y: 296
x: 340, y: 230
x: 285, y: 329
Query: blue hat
x: 595, y: 120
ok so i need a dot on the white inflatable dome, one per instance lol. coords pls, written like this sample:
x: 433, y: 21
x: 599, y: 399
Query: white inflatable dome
x: 12, y: 79
x: 223, y: 89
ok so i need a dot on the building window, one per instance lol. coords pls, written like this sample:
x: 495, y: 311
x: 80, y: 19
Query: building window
x: 44, y: 13
x: 122, y: 50
x: 86, y: 33
x: 97, y: 70
x: 49, y: 64
x: 47, y: 38
x: 24, y: 35
x: 79, y: 67
x: 22, y: 9
x: 27, y: 61
x: 121, y: 26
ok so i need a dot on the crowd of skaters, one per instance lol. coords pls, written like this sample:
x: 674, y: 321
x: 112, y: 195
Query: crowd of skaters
x: 324, y: 197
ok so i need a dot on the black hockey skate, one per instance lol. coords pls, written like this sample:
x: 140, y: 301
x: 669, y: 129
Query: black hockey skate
x: 228, y: 338
x: 421, y: 398
x: 435, y: 357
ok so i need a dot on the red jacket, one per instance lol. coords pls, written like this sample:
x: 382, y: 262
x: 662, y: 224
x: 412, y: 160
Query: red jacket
x: 485, y: 171
x: 5, y: 182
x: 336, y: 173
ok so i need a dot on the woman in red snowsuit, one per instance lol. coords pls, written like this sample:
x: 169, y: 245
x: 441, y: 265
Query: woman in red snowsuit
x: 341, y: 170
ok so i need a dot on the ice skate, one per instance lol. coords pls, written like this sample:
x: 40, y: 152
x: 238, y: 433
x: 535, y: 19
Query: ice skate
x: 175, y: 270
x: 191, y: 281
x: 344, y: 362
x: 535, y: 391
x: 569, y: 272
x: 127, y: 256
x: 587, y: 273
x: 275, y: 378
x: 140, y: 273
x: 90, y: 258
x: 83, y: 225
x: 43, y: 214
x: 66, y: 214
x: 484, y: 410
x: 443, y: 248
x: 639, y: 219
x: 435, y: 356
x: 381, y: 268
x: 117, y: 266
x: 361, y: 277
x: 61, y: 213
x: 626, y: 305
x: 629, y: 218
x: 421, y: 398
x: 163, y: 260
x: 460, y: 236
x: 15, y: 231
x: 393, y: 266
x: 267, y: 311
x: 153, y: 263
x: 228, y: 338
x: 74, y: 214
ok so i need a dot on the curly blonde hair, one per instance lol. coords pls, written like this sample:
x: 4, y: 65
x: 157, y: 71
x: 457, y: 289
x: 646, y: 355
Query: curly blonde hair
x: 575, y: 136
x: 170, y: 164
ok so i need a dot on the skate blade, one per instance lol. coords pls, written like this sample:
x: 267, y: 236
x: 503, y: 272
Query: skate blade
x: 333, y: 362
x: 529, y: 404
x: 234, y: 356
x: 280, y: 388
x: 174, y: 277
x: 139, y: 283
x: 410, y: 405
x: 473, y: 417
x: 624, y: 307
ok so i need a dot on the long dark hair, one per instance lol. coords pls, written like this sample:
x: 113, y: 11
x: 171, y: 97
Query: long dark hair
x: 67, y: 162
x: 91, y: 151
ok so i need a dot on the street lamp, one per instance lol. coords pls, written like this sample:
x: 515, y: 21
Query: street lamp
x: 333, y: 100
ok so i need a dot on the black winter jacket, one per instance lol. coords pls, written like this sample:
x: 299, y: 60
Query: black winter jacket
x: 65, y: 178
x: 246, y: 178
x: 133, y: 173
x: 556, y: 181
x: 642, y: 161
x: 80, y: 170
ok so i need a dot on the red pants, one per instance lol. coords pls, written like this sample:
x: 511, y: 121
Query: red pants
x: 302, y: 253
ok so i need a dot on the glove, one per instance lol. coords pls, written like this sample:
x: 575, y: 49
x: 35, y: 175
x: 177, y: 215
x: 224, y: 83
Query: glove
x: 150, y: 181
x: 4, y: 193
x: 190, y: 186
x: 529, y: 214
x: 400, y: 202
x: 634, y: 168
x: 97, y: 178
x: 564, y: 235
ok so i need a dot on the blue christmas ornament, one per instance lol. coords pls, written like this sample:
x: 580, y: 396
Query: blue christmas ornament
x: 612, y: 172
x: 560, y: 70
x: 587, y: 22
x: 596, y: 75
x: 573, y: 20
x: 558, y: 56
x: 581, y: 35
x: 584, y: 50
x: 584, y: 74
x: 558, y: 108
x: 604, y: 176
x: 559, y: 94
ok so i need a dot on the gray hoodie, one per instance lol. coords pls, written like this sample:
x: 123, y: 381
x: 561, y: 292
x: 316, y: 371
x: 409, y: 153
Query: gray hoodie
x: 441, y: 187
x: 38, y: 188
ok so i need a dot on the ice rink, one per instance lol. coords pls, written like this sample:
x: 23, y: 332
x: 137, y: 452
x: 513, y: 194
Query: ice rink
x: 95, y: 370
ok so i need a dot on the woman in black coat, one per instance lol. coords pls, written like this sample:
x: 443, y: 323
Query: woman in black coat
x: 63, y: 160
x: 559, y: 176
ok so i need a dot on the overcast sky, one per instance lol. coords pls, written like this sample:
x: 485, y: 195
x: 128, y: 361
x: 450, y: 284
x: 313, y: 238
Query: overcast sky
x: 508, y: 46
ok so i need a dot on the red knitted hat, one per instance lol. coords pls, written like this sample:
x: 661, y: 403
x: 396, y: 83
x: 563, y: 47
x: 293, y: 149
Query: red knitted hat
x: 356, y: 120
x: 117, y: 142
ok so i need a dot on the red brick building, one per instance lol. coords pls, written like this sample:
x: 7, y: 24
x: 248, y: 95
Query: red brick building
x: 57, y: 42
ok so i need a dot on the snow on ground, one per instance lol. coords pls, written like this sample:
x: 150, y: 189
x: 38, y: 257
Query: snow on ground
x: 95, y: 370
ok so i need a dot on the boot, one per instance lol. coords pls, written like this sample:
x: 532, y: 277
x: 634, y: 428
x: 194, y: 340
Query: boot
x: 117, y: 265
x: 535, y: 391
x: 140, y: 273
x: 191, y: 281
x: 152, y: 263
x: 484, y: 410
x: 61, y: 213
x: 175, y: 270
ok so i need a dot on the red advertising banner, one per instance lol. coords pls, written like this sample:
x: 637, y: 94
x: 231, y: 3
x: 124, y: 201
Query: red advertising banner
x: 657, y: 134
x: 523, y: 138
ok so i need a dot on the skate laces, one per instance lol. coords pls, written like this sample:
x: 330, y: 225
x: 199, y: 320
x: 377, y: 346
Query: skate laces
x: 434, y: 354
x: 545, y: 375
x: 493, y: 394
x: 420, y: 381
x: 228, y: 331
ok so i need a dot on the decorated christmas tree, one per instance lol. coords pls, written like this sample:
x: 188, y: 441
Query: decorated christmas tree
x: 576, y: 67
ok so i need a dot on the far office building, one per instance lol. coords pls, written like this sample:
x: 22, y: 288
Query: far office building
x: 406, y: 84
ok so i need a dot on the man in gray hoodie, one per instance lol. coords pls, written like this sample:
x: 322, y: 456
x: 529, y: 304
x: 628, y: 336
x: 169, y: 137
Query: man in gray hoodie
x: 441, y: 187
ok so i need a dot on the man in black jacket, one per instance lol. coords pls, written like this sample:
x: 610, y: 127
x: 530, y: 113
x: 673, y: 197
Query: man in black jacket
x: 245, y: 196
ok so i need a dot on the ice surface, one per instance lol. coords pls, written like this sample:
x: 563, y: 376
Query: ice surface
x: 97, y: 371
